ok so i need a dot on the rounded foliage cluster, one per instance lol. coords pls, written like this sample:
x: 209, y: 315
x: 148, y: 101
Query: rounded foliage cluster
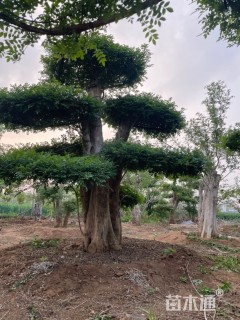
x: 27, y: 164
x: 46, y: 105
x: 145, y: 113
x: 123, y: 66
x: 134, y: 157
x: 233, y: 140
x: 129, y: 197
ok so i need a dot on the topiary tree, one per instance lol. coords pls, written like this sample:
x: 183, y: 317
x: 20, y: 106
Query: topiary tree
x: 99, y: 171
x: 176, y: 191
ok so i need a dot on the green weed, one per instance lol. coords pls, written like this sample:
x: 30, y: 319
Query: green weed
x: 33, y: 312
x: 183, y: 279
x: 40, y: 243
x: 226, y: 286
x: 212, y: 244
x: 203, y: 269
x: 205, y: 291
x: 150, y: 314
x: 228, y: 263
x: 168, y: 251
x: 25, y: 279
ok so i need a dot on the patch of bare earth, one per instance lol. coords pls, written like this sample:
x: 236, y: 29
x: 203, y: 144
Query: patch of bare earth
x: 41, y: 279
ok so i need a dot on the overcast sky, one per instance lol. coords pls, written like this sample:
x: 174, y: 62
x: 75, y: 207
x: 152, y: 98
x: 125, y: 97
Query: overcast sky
x: 183, y: 64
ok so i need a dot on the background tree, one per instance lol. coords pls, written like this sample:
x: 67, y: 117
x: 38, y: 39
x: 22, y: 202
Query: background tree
x: 99, y: 171
x: 178, y: 191
x: 222, y: 14
x: 230, y: 194
x: 206, y: 132
x: 232, y: 139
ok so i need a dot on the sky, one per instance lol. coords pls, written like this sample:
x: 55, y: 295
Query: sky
x: 183, y: 63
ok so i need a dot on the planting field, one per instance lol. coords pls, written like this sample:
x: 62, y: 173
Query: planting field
x: 44, y: 274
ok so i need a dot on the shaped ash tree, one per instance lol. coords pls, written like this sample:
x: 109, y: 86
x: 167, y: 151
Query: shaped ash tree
x: 100, y: 169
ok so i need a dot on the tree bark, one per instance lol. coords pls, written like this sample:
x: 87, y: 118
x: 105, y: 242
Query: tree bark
x: 136, y: 213
x: 102, y: 223
x: 65, y: 220
x: 172, y: 212
x: 208, y: 209
x: 114, y: 206
x: 58, y: 213
x: 98, y: 233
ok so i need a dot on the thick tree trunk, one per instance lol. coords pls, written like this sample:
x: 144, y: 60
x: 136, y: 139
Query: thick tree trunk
x: 102, y: 224
x: 98, y: 234
x: 207, y: 215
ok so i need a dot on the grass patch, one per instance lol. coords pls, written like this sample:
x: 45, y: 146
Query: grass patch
x: 229, y: 216
x: 205, y: 291
x: 212, y: 243
x: 168, y: 251
x: 127, y: 217
x: 24, y: 280
x: 226, y: 286
x: 33, y: 312
x: 228, y: 263
x: 40, y: 243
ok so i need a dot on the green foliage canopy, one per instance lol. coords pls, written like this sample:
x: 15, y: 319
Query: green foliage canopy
x: 113, y: 73
x: 47, y: 105
x: 232, y: 140
x: 23, y: 22
x: 27, y: 164
x: 134, y: 157
x: 145, y: 113
x: 129, y: 197
x: 224, y: 14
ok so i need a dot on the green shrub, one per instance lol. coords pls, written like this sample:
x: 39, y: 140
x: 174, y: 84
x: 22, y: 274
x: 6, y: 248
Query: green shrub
x: 233, y: 216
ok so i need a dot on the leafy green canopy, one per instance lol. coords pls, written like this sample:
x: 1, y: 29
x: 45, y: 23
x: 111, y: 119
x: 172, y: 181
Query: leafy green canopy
x: 224, y: 14
x: 42, y: 106
x: 27, y: 164
x: 113, y: 72
x: 134, y: 157
x: 129, y: 197
x: 61, y: 148
x: 232, y: 140
x: 23, y: 22
x: 145, y: 113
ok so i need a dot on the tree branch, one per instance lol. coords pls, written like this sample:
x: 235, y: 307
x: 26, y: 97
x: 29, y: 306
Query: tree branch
x: 76, y: 28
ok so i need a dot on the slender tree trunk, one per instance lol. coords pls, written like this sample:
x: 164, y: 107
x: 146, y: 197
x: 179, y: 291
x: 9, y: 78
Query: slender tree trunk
x: 173, y: 211
x: 114, y: 206
x: 200, y: 206
x: 175, y: 203
x: 58, y: 213
x: 65, y: 220
x: 208, y: 219
x: 136, y: 213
